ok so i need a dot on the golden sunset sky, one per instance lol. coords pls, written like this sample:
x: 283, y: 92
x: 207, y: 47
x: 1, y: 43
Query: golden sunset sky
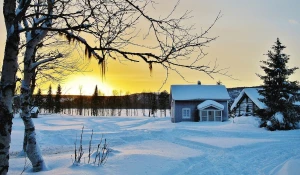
x: 247, y: 30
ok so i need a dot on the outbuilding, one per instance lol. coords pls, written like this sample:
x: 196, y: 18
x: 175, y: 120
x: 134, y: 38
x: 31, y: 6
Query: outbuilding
x: 34, y: 112
x: 247, y: 102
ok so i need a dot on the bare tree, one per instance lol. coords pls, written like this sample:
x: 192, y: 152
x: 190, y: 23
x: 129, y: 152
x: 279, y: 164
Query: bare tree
x: 55, y: 61
x: 113, y: 25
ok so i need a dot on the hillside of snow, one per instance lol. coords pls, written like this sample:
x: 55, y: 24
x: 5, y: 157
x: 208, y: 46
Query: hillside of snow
x: 143, y: 145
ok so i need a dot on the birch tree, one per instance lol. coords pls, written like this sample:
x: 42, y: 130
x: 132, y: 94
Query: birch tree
x: 113, y: 26
x: 8, y: 78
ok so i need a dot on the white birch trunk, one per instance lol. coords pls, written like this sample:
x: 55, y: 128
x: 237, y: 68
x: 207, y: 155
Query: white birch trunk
x: 30, y: 145
x: 8, y: 83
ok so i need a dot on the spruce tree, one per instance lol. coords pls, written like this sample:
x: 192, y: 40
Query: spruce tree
x: 278, y: 91
x: 163, y: 100
x: 49, y: 100
x: 94, y: 102
x: 57, y: 99
x: 38, y: 99
x: 153, y: 103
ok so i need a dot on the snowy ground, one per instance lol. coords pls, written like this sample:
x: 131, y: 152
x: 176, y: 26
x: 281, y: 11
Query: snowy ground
x: 143, y: 145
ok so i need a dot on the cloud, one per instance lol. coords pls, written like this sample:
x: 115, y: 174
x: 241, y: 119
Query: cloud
x: 292, y: 21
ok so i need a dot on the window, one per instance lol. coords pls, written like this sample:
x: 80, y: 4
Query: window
x: 218, y: 113
x: 218, y: 116
x: 203, y: 115
x: 186, y: 113
x: 210, y: 115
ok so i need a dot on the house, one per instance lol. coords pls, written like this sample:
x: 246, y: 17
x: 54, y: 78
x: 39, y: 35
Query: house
x: 34, y: 112
x: 248, y: 102
x: 199, y: 103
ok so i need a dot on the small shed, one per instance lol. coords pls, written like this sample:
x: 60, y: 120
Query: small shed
x: 199, y: 103
x: 34, y: 112
x: 247, y: 102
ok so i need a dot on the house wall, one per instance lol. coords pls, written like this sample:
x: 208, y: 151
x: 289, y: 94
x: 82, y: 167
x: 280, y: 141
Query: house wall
x: 179, y: 105
x: 173, y: 111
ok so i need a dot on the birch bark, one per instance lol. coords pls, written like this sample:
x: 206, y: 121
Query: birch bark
x: 30, y: 145
x: 8, y: 83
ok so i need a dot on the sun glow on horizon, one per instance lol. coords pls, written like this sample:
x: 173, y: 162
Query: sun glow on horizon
x: 86, y: 84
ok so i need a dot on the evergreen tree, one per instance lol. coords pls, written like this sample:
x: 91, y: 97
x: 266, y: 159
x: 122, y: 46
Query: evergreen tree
x: 152, y: 103
x: 278, y: 91
x: 38, y: 99
x: 163, y: 100
x: 57, y: 99
x: 127, y: 103
x: 49, y: 100
x: 135, y: 104
x: 95, y: 102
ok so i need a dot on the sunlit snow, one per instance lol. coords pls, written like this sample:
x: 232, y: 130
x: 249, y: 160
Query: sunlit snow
x: 143, y: 145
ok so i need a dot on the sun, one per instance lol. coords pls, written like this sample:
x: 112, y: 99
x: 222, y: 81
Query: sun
x: 86, y: 85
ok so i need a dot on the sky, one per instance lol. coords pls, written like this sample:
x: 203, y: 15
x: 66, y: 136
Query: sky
x: 246, y: 30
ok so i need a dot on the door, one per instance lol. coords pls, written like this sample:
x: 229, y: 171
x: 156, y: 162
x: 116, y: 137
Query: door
x: 211, y: 116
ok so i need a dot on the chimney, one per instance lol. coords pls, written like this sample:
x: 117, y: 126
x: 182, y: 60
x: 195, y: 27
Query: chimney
x: 199, y: 82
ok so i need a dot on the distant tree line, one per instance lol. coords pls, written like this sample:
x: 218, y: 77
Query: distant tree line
x: 117, y: 104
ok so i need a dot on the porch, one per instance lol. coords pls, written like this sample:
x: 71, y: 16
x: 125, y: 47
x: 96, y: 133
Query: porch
x: 210, y: 110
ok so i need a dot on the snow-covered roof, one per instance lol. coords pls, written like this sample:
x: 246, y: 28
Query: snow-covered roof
x: 208, y: 103
x: 35, y: 109
x: 199, y: 92
x: 253, y: 94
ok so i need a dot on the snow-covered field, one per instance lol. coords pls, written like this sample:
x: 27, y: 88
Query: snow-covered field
x: 143, y: 145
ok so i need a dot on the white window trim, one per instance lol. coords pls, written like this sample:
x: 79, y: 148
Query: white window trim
x: 189, y: 112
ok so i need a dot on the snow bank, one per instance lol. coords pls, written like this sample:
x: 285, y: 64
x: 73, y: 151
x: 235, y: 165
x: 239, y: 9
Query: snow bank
x: 249, y: 120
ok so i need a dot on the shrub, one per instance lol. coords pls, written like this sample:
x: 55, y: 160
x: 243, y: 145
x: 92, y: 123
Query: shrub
x: 101, y: 153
